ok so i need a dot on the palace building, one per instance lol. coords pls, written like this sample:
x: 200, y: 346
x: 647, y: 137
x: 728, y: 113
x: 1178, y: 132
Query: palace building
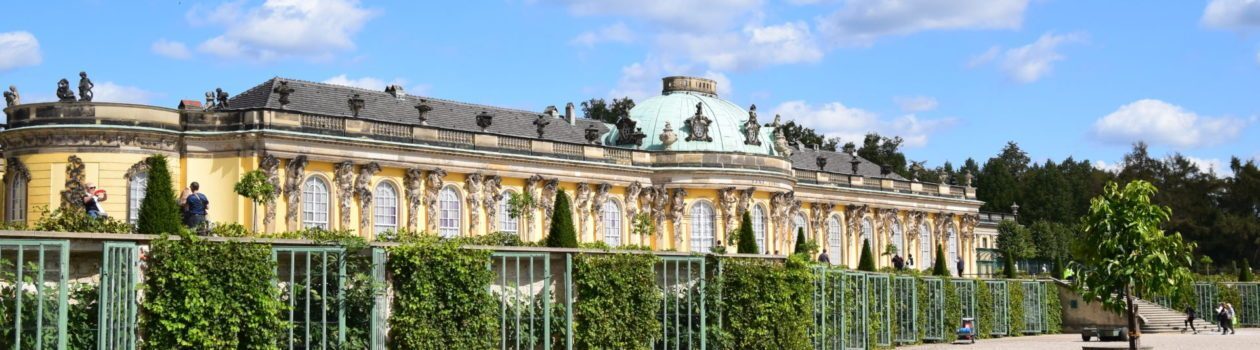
x: 687, y: 163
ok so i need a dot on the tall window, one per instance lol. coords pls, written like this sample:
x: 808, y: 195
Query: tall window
x: 925, y: 246
x: 759, y: 227
x: 612, y: 223
x: 799, y: 223
x: 449, y: 217
x: 896, y: 236
x: 315, y: 203
x: 386, y: 210
x: 868, y: 232
x: 701, y: 227
x: 15, y: 199
x: 135, y: 195
x: 952, y: 252
x: 834, y: 239
x: 506, y: 222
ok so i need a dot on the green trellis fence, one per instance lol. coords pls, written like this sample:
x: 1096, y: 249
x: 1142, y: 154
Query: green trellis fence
x: 997, y: 291
x: 33, y: 294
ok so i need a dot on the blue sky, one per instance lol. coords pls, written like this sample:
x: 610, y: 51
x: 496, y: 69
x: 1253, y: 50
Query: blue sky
x: 956, y: 79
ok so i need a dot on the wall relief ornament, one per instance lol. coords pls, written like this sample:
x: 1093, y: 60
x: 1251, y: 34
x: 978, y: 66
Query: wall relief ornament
x: 728, y: 198
x: 943, y: 222
x: 886, y: 218
x: 13, y: 166
x: 745, y: 200
x: 295, y: 173
x: 270, y: 166
x: 81, y: 140
x: 140, y: 167
x: 699, y: 125
x: 413, y: 181
x: 752, y: 129
x: 432, y: 186
x: 533, y: 186
x: 628, y: 132
x: 678, y: 206
x: 597, y: 208
x: 631, y: 201
x: 72, y: 194
x: 343, y: 176
x: 915, y: 220
x: 853, y: 215
x: 581, y: 207
x: 548, y: 201
x: 493, y: 194
x: 968, y: 223
x: 473, y: 184
x: 660, y: 200
x: 363, y: 190
x: 781, y: 207
x: 821, y: 211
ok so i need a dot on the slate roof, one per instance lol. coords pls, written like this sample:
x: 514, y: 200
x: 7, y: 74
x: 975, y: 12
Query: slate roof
x: 837, y: 162
x: 333, y: 100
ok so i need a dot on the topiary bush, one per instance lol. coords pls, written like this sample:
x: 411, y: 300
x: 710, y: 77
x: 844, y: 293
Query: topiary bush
x: 801, y: 247
x: 746, y: 240
x: 1052, y: 309
x: 1015, y: 308
x: 985, y: 316
x: 939, y: 268
x: 159, y: 212
x: 769, y: 304
x: 442, y: 298
x: 616, y: 297
x: 1244, y: 273
x: 866, y: 262
x: 562, y: 234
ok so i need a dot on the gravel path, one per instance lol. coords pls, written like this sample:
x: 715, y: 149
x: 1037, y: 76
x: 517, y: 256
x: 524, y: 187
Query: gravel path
x: 1247, y: 338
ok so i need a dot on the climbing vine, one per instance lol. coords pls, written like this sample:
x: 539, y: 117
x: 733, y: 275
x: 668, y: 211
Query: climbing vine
x: 953, y: 309
x: 616, y: 295
x: 1053, y: 310
x: 1015, y: 308
x: 768, y: 304
x: 985, y: 317
x: 441, y: 298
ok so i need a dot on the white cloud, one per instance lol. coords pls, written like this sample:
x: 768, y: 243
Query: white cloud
x: 862, y: 22
x: 1114, y: 167
x: 370, y: 83
x: 852, y: 124
x: 724, y: 86
x: 615, y: 33
x: 640, y: 80
x: 690, y: 15
x: 1028, y: 63
x: 1221, y: 168
x: 1232, y: 14
x: 279, y: 28
x: 912, y: 104
x: 18, y: 49
x: 1162, y: 123
x: 754, y: 46
x: 172, y: 49
x: 112, y: 92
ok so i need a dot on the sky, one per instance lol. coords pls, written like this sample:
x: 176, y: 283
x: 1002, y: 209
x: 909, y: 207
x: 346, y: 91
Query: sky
x: 955, y: 79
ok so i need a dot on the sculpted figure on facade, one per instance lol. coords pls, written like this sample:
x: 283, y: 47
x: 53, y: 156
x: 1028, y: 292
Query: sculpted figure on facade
x: 221, y: 97
x: 727, y: 200
x: 493, y: 194
x: 913, y: 222
x: 853, y: 215
x: 886, y: 218
x: 295, y: 173
x: 631, y: 200
x: 745, y: 200
x: 943, y: 222
x: 699, y: 125
x: 12, y: 97
x: 581, y: 207
x: 433, y: 185
x: 343, y: 174
x: 821, y: 211
x: 597, y: 207
x: 533, y: 186
x: 64, y: 94
x: 473, y: 184
x: 752, y: 128
x: 412, y: 182
x: 72, y: 194
x: 967, y: 223
x: 793, y: 211
x: 548, y: 201
x: 781, y: 205
x: 676, y: 214
x: 660, y: 200
x: 363, y: 189
x: 270, y: 166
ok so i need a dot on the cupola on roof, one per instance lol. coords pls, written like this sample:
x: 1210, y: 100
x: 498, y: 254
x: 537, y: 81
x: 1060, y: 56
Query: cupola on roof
x: 689, y: 116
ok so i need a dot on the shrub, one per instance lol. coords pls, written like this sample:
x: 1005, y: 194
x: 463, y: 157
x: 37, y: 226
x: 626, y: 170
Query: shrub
x: 939, y: 268
x: 442, y: 297
x: 159, y: 212
x: 866, y: 262
x: 615, y: 296
x: 745, y: 239
x: 562, y: 234
x: 1008, y: 267
x: 1244, y: 273
x: 78, y: 221
x: 770, y: 304
x: 801, y: 246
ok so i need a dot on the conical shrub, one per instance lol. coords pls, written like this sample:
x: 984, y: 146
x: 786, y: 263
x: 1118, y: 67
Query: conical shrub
x: 800, y: 242
x: 866, y: 262
x: 1244, y: 273
x: 940, y: 268
x: 745, y: 240
x: 159, y: 212
x: 563, y: 234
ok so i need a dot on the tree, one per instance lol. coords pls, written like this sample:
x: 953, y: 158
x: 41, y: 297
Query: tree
x: 745, y: 241
x: 1128, y: 253
x: 159, y: 212
x: 1015, y: 158
x: 255, y: 187
x: 797, y: 134
x: 866, y: 262
x: 1014, y: 241
x: 996, y: 186
x: 1244, y: 272
x: 599, y: 110
x: 562, y: 234
x: 801, y: 246
x: 1052, y: 240
x: 885, y: 151
x: 940, y: 267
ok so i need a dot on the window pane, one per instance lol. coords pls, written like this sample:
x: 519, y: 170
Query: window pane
x: 612, y: 223
x: 449, y: 217
x: 702, y: 227
x: 506, y: 222
x: 135, y: 195
x: 385, y: 212
x: 834, y: 240
x: 759, y: 227
x: 315, y: 203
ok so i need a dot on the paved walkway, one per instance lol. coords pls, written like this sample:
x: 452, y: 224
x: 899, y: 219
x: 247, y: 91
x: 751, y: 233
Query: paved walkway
x: 1247, y: 338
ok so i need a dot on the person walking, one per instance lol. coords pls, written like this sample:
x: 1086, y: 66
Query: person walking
x: 91, y: 201
x: 898, y: 262
x: 1190, y: 320
x: 1230, y: 317
x: 196, y: 206
x: 823, y: 258
x: 1220, y: 313
x: 960, y: 266
x: 911, y: 260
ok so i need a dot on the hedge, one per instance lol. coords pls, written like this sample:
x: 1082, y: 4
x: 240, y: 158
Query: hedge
x: 441, y: 299
x: 617, y: 301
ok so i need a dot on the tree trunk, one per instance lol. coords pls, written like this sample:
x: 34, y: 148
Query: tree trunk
x: 1134, y: 332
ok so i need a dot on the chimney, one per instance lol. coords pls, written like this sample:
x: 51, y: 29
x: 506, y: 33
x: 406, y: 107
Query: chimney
x: 569, y: 113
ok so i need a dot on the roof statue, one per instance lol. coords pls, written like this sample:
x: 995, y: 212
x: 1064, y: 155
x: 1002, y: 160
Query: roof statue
x: 592, y: 134
x: 423, y: 108
x: 628, y: 132
x: 209, y: 100
x: 699, y: 125
x: 484, y: 120
x: 284, y: 91
x: 221, y: 97
x: 356, y: 104
x: 541, y: 123
x: 63, y: 91
x: 85, y: 87
x: 11, y: 97
x: 668, y: 137
x: 752, y: 129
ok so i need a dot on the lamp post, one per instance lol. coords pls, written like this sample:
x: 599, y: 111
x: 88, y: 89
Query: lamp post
x: 1015, y: 209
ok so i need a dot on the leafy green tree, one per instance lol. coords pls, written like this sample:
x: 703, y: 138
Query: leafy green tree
x: 562, y: 234
x: 744, y: 239
x: 866, y: 262
x: 1244, y: 272
x: 1015, y: 158
x: 159, y: 212
x: 255, y: 187
x: 598, y: 109
x: 885, y: 151
x: 1128, y: 253
x: 1014, y: 241
x: 940, y: 267
x: 996, y: 186
x: 797, y: 134
x: 1052, y: 240
x: 801, y: 246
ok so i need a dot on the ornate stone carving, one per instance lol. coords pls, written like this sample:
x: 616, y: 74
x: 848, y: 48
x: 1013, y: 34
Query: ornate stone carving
x: 541, y: 124
x: 85, y: 88
x: 752, y: 129
x: 270, y: 166
x: 668, y: 137
x: 484, y: 120
x: 780, y: 141
x: 473, y: 184
x: 209, y: 100
x: 581, y: 207
x: 533, y: 186
x: 12, y: 97
x: 72, y: 194
x: 222, y: 98
x: 413, y: 182
x: 356, y: 104
x: 886, y: 218
x: 493, y: 194
x: 968, y: 178
x: 628, y: 132
x: 548, y: 201
x: 821, y: 161
x: 140, y: 167
x: 727, y: 200
x: 15, y: 166
x: 433, y: 185
x: 85, y: 140
x: 597, y: 208
x: 853, y: 215
x: 943, y: 222
x: 343, y: 176
x: 284, y: 91
x: 943, y: 179
x: 632, y: 202
x: 592, y: 134
x: 295, y: 173
x: 821, y: 211
x: 915, y: 220
x: 678, y: 206
x: 363, y: 189
x: 699, y: 125
x: 423, y: 108
x: 793, y: 211
x: 916, y: 168
x: 781, y: 207
x: 968, y: 224
x: 63, y: 91
x: 660, y: 198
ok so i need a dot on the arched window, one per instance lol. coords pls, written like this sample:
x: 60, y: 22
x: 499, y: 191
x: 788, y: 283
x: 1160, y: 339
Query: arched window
x: 951, y: 252
x: 925, y: 247
x: 135, y: 195
x: 799, y: 223
x: 759, y: 227
x: 897, y: 236
x: 868, y: 233
x: 834, y: 239
x: 984, y: 243
x: 315, y: 203
x: 701, y: 227
x: 612, y: 223
x: 506, y: 222
x: 450, y: 212
x: 386, y: 211
x: 15, y: 197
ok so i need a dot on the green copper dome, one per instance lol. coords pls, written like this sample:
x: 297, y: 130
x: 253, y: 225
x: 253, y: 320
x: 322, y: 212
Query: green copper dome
x: 676, y: 109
